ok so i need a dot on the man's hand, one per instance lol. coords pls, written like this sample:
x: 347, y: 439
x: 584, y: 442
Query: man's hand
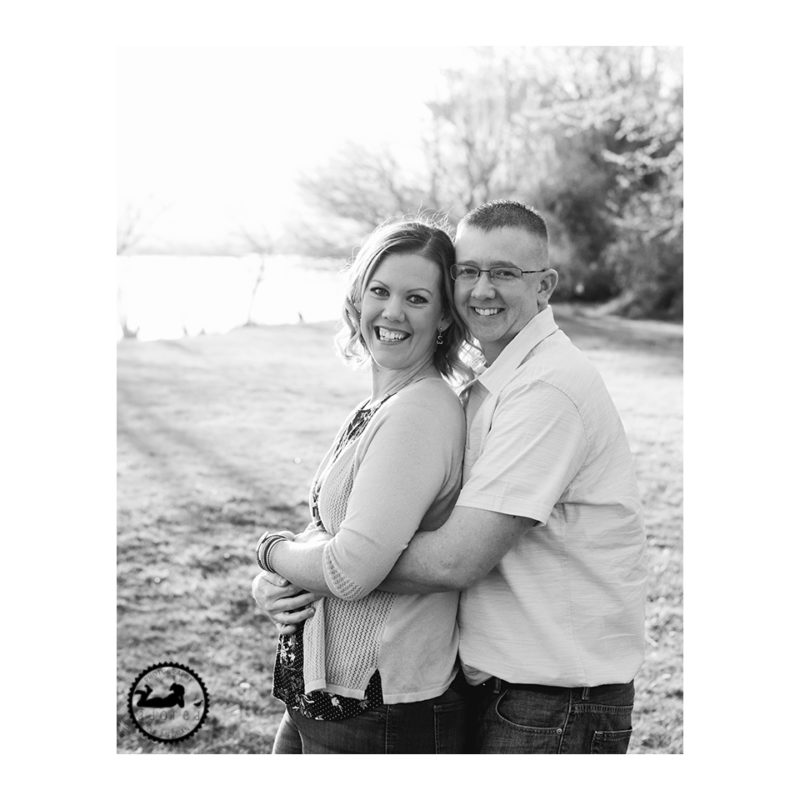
x: 312, y: 534
x: 285, y: 604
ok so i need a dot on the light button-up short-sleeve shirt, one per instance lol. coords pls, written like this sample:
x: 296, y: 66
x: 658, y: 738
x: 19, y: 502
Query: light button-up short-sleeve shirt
x: 565, y: 606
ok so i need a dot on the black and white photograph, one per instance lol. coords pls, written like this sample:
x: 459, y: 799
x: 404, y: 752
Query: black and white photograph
x: 399, y: 399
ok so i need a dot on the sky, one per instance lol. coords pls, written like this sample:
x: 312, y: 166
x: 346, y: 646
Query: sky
x: 211, y: 139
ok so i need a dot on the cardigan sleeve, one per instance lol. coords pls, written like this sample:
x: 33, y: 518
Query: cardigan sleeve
x: 410, y: 459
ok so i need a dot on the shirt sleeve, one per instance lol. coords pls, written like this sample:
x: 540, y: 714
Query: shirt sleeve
x: 412, y: 457
x: 535, y: 446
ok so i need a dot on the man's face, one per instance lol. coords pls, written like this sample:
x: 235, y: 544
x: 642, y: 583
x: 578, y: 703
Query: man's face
x: 495, y: 314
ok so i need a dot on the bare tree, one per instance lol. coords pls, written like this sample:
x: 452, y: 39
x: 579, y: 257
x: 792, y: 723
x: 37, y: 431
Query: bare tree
x: 134, y: 222
x: 262, y: 243
x: 366, y: 185
x: 478, y: 145
x: 128, y: 331
x: 129, y: 228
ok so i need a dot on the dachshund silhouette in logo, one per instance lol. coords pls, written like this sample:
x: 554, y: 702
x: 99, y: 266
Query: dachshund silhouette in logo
x: 174, y: 698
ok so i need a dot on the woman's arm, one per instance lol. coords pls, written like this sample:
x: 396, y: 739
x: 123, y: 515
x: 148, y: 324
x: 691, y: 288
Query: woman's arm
x: 404, y: 467
x: 299, y: 560
x: 301, y: 564
x: 286, y: 603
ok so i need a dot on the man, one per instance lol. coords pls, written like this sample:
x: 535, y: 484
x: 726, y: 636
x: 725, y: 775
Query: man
x: 546, y: 541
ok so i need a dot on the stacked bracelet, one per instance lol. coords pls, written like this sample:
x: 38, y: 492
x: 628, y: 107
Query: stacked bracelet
x: 264, y: 548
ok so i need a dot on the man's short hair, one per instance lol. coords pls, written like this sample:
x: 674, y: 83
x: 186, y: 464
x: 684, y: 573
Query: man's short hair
x: 506, y: 214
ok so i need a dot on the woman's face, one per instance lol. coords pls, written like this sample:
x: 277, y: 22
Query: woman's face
x: 402, y: 311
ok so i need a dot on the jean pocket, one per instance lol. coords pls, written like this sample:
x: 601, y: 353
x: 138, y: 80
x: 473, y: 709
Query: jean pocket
x: 532, y: 711
x: 450, y: 726
x: 523, y: 722
x: 611, y: 742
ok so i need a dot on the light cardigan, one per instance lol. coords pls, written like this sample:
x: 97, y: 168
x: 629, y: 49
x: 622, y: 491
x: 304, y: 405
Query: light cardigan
x: 401, y: 475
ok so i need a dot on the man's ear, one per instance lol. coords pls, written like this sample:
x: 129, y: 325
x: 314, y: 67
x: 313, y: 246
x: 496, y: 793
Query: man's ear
x: 547, y: 285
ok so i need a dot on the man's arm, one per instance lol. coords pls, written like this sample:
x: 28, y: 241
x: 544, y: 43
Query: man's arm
x: 536, y: 445
x: 464, y: 549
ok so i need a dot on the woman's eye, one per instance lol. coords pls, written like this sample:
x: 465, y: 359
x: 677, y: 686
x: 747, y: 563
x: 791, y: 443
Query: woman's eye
x: 378, y: 291
x: 418, y: 299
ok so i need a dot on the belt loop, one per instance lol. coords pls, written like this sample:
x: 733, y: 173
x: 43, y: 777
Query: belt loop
x: 585, y: 693
x: 497, y: 685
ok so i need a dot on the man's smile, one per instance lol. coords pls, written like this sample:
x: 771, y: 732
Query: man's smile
x: 486, y: 312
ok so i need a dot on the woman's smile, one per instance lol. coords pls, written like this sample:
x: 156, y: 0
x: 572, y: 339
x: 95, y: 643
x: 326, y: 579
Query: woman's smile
x: 390, y: 335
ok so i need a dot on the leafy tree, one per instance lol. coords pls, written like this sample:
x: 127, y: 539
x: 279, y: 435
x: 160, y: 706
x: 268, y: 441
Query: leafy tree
x: 626, y: 124
x: 593, y: 137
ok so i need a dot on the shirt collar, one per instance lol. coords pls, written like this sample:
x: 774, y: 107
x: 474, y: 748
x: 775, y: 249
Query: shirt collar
x: 537, y: 330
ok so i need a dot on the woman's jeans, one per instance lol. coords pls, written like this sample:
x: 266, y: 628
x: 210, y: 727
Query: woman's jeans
x: 428, y: 726
x: 511, y: 718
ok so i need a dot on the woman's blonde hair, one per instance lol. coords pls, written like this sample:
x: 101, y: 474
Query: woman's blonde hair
x: 426, y: 238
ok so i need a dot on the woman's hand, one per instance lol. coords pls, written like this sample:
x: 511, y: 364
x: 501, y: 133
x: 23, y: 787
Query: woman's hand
x: 285, y: 604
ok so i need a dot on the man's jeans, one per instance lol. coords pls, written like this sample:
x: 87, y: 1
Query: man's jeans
x: 429, y: 726
x: 513, y: 718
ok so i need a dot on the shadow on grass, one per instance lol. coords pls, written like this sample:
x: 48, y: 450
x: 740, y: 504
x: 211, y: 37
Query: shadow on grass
x: 153, y: 433
x: 592, y: 332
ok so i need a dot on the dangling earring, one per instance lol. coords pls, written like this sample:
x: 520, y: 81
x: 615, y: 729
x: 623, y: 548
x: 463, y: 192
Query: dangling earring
x: 440, y: 338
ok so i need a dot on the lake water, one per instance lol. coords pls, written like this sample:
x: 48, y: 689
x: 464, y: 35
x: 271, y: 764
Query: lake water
x: 167, y: 297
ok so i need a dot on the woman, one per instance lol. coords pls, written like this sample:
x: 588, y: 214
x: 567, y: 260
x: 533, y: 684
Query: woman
x: 371, y: 671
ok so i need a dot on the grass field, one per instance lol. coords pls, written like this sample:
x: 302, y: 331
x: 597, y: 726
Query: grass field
x: 218, y: 438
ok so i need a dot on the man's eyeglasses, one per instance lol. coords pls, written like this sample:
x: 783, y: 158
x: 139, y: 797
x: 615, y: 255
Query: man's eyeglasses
x: 466, y: 273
